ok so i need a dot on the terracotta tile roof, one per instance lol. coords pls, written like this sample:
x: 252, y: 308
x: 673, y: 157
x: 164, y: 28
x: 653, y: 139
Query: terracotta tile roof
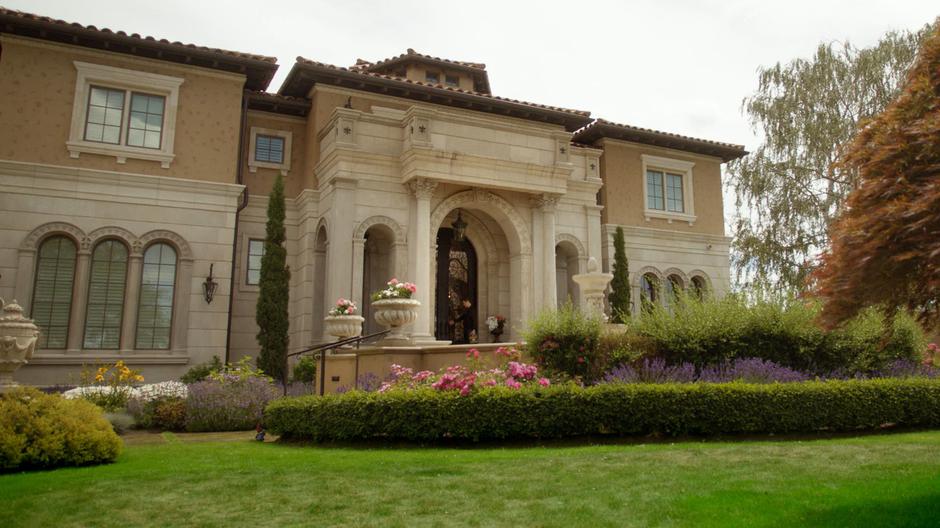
x: 441, y: 87
x: 410, y: 53
x: 279, y: 104
x: 43, y: 27
x: 602, y: 128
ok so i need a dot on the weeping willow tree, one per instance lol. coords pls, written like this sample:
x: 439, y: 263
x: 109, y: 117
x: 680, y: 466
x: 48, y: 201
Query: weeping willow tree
x: 789, y: 189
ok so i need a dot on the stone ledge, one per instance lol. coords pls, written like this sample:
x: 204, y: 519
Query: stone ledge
x: 91, y: 359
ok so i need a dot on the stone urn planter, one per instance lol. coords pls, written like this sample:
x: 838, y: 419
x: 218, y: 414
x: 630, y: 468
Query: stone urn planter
x: 343, y: 326
x: 18, y: 336
x: 394, y: 314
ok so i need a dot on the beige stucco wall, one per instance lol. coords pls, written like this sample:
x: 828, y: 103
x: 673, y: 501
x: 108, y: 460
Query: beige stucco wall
x: 37, y: 87
x: 260, y: 181
x: 622, y: 194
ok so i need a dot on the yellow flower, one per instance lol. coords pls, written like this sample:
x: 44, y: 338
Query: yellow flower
x: 138, y: 378
x: 99, y: 378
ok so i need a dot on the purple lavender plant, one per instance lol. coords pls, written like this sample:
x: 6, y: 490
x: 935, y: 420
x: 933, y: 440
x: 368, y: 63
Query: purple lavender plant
x: 652, y: 371
x: 905, y: 368
x: 230, y: 405
x: 751, y: 370
x: 367, y: 382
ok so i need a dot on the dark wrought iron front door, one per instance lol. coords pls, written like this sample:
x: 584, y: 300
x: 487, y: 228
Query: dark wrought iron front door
x: 456, y: 299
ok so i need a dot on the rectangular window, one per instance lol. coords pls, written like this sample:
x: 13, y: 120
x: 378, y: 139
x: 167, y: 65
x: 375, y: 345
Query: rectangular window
x: 451, y: 80
x: 105, y: 115
x: 145, y: 125
x: 432, y: 77
x: 269, y: 149
x: 654, y: 190
x: 674, y: 200
x: 105, y: 121
x: 255, y: 252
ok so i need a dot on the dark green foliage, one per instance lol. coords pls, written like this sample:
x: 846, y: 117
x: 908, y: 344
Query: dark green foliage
x: 566, y: 341
x: 305, y: 370
x: 45, y: 431
x: 619, y: 297
x: 166, y: 414
x: 202, y: 371
x: 274, y: 291
x: 618, y: 410
x: 715, y: 330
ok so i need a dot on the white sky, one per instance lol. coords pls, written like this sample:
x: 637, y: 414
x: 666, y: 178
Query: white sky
x: 679, y: 66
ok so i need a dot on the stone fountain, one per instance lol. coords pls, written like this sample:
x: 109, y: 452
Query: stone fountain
x: 18, y: 336
x: 593, y: 284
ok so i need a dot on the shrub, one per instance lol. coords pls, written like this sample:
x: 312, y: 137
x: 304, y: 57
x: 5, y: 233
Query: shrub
x: 228, y: 405
x: 305, y: 370
x: 109, y: 386
x: 202, y: 371
x: 714, y: 331
x: 166, y: 413
x: 567, y: 341
x: 44, y: 431
x: 568, y: 410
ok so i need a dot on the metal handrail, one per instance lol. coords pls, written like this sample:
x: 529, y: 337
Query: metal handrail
x: 326, y: 347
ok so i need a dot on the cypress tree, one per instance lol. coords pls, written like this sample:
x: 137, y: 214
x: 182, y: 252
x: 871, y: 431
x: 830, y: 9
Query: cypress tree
x: 271, y: 310
x: 620, y: 285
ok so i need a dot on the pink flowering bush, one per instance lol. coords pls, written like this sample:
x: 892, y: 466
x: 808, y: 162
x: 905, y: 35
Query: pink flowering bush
x: 509, y: 371
x: 395, y: 290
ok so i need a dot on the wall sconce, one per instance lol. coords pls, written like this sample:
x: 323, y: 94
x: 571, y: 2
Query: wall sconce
x: 209, y: 286
x: 460, y: 228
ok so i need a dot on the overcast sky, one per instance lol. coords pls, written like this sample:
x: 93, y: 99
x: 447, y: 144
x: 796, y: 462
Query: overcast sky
x: 678, y: 66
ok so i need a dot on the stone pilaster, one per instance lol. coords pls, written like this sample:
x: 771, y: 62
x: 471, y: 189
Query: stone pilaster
x: 135, y: 267
x: 79, y: 297
x: 546, y: 205
x: 340, y: 256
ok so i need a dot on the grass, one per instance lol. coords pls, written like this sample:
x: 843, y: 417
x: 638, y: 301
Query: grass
x: 228, y: 480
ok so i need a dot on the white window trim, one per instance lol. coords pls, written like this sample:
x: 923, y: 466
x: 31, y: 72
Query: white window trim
x: 688, y: 200
x: 128, y: 80
x: 254, y: 165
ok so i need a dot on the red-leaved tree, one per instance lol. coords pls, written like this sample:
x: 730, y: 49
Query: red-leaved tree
x: 885, y: 247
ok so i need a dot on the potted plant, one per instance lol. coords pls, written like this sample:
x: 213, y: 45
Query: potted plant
x: 394, y: 307
x: 342, y: 320
x: 496, y: 324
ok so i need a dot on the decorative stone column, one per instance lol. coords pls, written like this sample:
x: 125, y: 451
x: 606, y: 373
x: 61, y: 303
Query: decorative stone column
x: 79, y: 297
x: 546, y: 204
x: 593, y: 284
x: 18, y: 336
x: 340, y: 257
x: 420, y: 244
x: 135, y: 263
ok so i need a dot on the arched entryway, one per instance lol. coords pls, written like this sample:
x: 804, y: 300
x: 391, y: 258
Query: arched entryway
x: 501, y: 247
x: 567, y: 265
x: 378, y: 266
x: 319, y: 282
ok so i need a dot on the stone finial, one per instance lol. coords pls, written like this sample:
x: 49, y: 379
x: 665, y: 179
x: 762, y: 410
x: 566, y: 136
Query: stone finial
x: 592, y: 265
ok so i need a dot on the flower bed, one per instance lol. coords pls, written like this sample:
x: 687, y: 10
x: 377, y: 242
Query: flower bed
x: 568, y: 410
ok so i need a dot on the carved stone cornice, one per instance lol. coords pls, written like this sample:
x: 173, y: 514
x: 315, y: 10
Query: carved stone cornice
x: 422, y: 188
x: 545, y: 202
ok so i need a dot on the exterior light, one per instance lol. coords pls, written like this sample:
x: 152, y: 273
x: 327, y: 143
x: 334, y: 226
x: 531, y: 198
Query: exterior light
x: 460, y: 228
x: 209, y: 286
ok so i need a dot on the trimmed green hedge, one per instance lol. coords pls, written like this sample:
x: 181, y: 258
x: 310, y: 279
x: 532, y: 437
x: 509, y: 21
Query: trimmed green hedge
x: 621, y: 410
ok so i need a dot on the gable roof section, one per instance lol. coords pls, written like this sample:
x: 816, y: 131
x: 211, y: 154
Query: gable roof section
x: 475, y: 69
x: 601, y: 128
x: 305, y: 73
x: 258, y: 69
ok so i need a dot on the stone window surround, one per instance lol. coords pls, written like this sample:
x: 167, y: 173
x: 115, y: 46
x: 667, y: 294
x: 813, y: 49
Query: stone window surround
x: 245, y: 239
x: 137, y: 245
x: 254, y: 165
x: 681, y: 167
x: 89, y: 74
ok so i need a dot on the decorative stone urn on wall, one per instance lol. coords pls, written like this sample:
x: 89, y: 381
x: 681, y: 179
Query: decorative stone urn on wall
x: 593, y: 284
x: 394, y: 314
x: 343, y: 326
x: 18, y: 336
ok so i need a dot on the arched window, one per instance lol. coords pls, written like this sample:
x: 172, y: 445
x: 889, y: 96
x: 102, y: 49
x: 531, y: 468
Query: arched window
x: 106, y: 296
x: 673, y: 287
x: 157, y: 285
x: 699, y: 287
x: 649, y: 291
x: 52, y: 293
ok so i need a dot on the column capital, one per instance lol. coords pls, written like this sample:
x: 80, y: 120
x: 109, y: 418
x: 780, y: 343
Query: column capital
x: 422, y: 188
x: 545, y: 202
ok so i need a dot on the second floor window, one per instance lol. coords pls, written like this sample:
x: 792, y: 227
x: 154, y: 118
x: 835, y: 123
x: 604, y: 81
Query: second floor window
x: 432, y: 77
x: 106, y: 120
x: 664, y: 191
x: 269, y: 149
x: 451, y: 80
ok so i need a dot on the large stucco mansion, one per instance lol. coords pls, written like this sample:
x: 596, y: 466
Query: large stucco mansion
x: 133, y: 170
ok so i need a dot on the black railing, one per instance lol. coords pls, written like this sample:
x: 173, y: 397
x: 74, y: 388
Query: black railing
x: 326, y: 347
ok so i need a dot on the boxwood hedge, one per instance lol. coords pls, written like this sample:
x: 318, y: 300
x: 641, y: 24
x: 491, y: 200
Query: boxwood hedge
x: 619, y: 410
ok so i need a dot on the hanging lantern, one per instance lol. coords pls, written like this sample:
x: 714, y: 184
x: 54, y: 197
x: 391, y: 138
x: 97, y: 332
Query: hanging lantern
x: 460, y: 228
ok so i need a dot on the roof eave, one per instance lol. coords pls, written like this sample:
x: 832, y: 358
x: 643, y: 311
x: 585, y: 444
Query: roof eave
x: 598, y: 130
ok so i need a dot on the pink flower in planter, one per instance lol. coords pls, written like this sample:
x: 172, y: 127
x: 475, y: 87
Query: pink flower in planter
x: 393, y: 282
x: 474, y: 353
x: 544, y: 382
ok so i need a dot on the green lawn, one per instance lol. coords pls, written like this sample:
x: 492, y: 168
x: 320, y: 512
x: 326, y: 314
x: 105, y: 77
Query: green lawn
x: 884, y: 480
